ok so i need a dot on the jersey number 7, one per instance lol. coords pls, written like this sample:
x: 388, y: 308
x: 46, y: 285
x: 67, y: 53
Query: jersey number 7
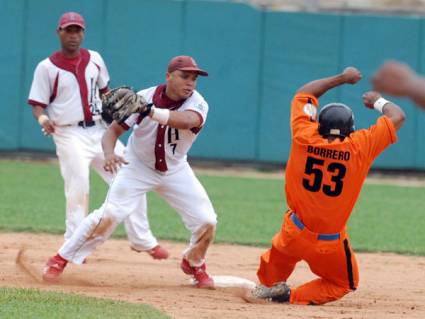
x: 316, y: 185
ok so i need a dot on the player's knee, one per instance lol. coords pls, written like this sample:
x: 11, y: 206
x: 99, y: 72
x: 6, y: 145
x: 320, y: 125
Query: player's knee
x: 104, y: 221
x: 111, y: 212
x: 209, y: 221
x: 77, y: 190
x: 340, y: 291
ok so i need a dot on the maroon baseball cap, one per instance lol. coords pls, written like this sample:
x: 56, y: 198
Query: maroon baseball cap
x: 185, y: 63
x: 71, y: 18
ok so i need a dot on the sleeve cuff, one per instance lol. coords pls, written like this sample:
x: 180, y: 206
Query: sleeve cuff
x: 302, y: 95
x: 103, y: 90
x: 36, y: 103
x: 391, y: 129
x: 200, y: 117
x: 124, y: 126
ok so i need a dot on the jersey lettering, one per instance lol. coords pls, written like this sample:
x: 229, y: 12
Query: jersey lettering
x: 328, y: 153
x: 94, y: 109
x: 173, y: 137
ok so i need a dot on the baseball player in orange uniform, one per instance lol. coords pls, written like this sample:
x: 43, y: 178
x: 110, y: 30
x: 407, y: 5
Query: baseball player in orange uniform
x: 328, y: 164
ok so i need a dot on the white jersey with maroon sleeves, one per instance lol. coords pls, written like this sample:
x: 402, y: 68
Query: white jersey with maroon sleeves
x: 69, y: 88
x: 159, y: 146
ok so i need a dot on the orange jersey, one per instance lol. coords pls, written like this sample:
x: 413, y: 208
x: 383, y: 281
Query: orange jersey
x: 323, y: 180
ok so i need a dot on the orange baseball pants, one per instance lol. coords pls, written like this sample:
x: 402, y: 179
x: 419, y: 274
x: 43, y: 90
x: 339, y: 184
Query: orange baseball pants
x: 332, y: 260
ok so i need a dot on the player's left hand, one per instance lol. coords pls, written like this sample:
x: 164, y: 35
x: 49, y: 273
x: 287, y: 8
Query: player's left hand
x: 122, y: 102
x: 351, y: 75
x: 370, y: 97
x: 113, y: 162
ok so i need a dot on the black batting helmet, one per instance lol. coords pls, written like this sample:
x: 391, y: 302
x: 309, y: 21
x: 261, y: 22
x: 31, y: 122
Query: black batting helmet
x: 336, y: 119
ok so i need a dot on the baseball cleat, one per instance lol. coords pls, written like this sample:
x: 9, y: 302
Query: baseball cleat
x: 279, y: 292
x: 158, y: 252
x: 200, y: 275
x: 54, y: 268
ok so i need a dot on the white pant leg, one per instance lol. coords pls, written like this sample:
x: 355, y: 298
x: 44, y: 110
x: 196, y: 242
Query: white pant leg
x: 74, y: 164
x: 183, y: 191
x: 123, y: 198
x: 136, y: 224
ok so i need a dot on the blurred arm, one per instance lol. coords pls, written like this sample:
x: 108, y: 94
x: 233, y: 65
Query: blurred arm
x: 398, y: 79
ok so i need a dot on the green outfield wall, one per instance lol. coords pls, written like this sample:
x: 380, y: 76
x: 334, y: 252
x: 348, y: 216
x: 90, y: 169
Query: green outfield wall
x: 256, y: 60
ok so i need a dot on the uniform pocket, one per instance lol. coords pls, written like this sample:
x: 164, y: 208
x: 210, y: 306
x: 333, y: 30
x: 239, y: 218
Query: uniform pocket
x: 327, y: 246
x: 289, y: 231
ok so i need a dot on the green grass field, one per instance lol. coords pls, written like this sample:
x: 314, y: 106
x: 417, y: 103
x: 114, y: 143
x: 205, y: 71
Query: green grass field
x: 386, y: 218
x: 31, y: 303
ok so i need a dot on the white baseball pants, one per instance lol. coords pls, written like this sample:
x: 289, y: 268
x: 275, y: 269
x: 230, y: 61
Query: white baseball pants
x: 181, y: 190
x: 79, y: 148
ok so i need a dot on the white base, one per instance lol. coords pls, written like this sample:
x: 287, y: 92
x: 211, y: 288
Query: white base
x: 231, y: 282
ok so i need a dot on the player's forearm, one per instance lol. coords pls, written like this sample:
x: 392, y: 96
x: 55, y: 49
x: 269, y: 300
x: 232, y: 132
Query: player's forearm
x: 109, y: 139
x: 37, y: 111
x: 374, y: 100
x: 184, y: 120
x: 395, y: 113
x: 321, y: 86
x: 180, y: 120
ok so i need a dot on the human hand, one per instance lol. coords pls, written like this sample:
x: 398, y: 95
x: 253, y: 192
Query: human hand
x: 47, y: 125
x: 370, y: 97
x: 113, y: 162
x: 393, y: 78
x: 351, y: 75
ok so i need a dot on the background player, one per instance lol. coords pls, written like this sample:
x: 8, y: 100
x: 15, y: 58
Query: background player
x: 398, y: 79
x: 328, y: 164
x: 65, y: 95
x: 156, y: 160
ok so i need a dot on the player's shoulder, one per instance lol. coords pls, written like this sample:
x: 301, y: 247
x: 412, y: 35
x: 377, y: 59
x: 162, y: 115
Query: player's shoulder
x: 197, y: 98
x: 196, y: 102
x: 45, y: 63
x: 306, y: 98
x: 148, y: 92
x: 95, y: 56
x: 45, y: 66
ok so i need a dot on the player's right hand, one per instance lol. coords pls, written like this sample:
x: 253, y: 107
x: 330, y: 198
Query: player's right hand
x: 113, y: 162
x: 351, y: 75
x: 370, y: 97
x: 48, y: 128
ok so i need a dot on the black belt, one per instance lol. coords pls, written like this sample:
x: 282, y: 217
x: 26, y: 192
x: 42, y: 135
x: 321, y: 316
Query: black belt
x: 86, y: 123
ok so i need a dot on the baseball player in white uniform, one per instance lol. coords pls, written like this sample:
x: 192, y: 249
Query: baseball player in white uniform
x: 65, y: 96
x: 155, y: 160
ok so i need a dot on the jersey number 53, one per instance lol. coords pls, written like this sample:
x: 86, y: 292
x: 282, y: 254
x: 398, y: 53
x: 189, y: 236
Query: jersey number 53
x: 314, y: 167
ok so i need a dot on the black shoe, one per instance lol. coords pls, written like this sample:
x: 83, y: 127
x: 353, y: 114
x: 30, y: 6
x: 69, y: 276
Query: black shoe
x: 279, y: 292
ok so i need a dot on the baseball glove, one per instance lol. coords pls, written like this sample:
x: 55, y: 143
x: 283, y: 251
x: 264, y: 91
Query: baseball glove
x: 121, y: 102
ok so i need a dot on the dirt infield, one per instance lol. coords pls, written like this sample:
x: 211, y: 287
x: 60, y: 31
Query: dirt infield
x: 391, y: 286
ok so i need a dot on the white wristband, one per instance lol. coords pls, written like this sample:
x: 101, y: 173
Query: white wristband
x: 160, y: 115
x: 379, y: 104
x: 43, y: 118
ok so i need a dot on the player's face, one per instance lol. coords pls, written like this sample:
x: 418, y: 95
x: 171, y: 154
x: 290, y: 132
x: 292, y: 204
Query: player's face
x: 180, y: 84
x: 71, y: 38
